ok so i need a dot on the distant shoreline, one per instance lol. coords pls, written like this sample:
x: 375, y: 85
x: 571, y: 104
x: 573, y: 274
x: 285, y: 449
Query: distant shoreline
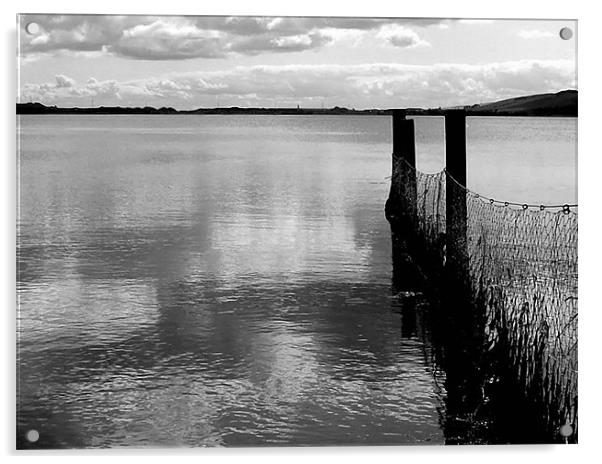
x: 561, y: 104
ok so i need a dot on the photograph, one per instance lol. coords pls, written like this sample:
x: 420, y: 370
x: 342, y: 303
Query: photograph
x: 295, y: 231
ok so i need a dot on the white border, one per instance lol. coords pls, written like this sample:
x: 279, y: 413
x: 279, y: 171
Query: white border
x: 589, y: 254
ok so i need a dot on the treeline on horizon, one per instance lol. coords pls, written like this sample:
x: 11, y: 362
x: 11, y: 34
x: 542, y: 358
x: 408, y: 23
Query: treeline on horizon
x: 555, y: 104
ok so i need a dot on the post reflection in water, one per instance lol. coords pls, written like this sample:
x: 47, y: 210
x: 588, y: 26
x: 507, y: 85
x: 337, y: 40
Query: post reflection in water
x: 480, y: 401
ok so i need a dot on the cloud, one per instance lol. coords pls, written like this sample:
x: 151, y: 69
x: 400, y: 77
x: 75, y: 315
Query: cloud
x: 162, y: 40
x: 402, y: 37
x: 383, y: 85
x: 184, y: 37
x: 266, y: 43
x: 535, y: 34
x: 74, y: 33
x: 64, y: 81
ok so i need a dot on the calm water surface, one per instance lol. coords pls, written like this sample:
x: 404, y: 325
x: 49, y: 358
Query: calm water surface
x: 226, y: 280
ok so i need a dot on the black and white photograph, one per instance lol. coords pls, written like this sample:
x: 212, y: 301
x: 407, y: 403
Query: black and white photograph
x: 286, y: 231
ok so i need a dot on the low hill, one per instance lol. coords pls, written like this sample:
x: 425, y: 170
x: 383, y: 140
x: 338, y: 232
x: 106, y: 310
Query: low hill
x: 548, y: 104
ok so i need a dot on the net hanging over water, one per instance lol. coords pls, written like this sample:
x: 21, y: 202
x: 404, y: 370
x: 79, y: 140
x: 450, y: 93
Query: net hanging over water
x: 521, y: 276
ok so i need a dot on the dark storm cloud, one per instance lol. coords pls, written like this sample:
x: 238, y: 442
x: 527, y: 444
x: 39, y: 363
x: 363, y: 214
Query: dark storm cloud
x: 177, y: 38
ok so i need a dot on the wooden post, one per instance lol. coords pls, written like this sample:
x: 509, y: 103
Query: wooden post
x: 402, y: 197
x: 463, y: 331
x: 455, y: 210
x: 403, y: 137
x: 400, y: 209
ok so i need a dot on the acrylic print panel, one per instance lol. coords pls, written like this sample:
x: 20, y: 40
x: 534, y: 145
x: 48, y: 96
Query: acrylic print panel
x: 204, y: 253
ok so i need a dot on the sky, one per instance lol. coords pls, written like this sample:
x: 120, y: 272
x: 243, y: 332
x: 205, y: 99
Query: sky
x: 188, y: 62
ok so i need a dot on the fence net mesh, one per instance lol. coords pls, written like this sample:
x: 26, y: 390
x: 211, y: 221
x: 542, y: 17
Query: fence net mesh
x: 522, y: 275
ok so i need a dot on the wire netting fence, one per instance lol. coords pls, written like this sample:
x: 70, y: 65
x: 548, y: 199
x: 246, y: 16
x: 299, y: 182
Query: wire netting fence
x: 521, y: 275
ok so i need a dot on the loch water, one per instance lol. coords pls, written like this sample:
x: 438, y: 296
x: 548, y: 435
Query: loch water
x: 227, y: 280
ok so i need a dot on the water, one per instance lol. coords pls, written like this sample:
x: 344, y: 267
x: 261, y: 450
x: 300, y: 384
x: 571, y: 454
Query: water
x: 226, y: 280
x: 521, y: 160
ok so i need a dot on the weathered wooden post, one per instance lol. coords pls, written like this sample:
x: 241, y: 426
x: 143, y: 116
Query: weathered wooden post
x: 455, y: 195
x: 402, y: 197
x: 401, y: 205
x: 463, y: 327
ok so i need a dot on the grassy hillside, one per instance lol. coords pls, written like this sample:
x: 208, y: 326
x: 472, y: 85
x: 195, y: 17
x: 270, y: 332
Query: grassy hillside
x: 557, y: 104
